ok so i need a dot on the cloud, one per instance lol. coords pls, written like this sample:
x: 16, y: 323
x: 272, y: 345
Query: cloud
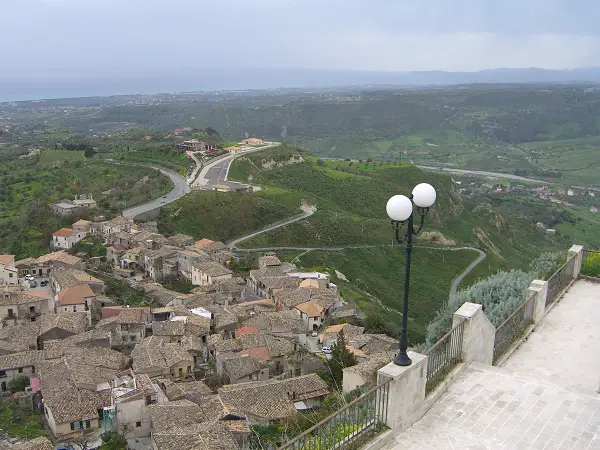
x: 133, y: 36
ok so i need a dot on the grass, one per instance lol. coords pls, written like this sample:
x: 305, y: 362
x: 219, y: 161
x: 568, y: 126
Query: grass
x: 51, y: 157
x: 376, y: 281
x: 20, y: 423
x: 225, y: 216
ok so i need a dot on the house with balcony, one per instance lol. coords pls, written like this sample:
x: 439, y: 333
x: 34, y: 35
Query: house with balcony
x: 66, y: 238
x: 21, y: 307
x: 76, y: 299
x: 8, y: 271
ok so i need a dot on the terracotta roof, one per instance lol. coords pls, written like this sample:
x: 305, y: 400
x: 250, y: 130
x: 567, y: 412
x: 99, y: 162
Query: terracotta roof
x: 197, y: 436
x: 25, y: 262
x: 22, y: 359
x: 203, y: 243
x: 152, y: 353
x: 133, y: 315
x: 368, y: 369
x: 75, y: 295
x: 82, y: 222
x: 68, y: 276
x: 261, y: 353
x: 25, y: 334
x: 5, y: 259
x: 269, y: 260
x: 332, y: 331
x: 278, y: 322
x: 181, y: 239
x: 20, y: 298
x: 38, y: 443
x: 311, y: 309
x: 246, y: 330
x: 38, y: 293
x: 175, y: 413
x: 64, y: 232
x: 272, y: 399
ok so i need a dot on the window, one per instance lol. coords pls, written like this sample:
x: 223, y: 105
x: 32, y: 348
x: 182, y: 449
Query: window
x: 138, y: 424
x: 76, y: 425
x: 2, y: 373
x: 10, y: 275
x: 32, y: 309
x: 46, y: 411
x: 20, y: 370
x: 87, y: 423
x: 74, y: 308
x: 10, y: 313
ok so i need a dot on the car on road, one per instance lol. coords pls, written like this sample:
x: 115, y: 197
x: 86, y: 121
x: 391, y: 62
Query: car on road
x: 326, y: 350
x: 29, y: 277
x: 44, y: 283
x: 32, y: 283
x: 315, y: 333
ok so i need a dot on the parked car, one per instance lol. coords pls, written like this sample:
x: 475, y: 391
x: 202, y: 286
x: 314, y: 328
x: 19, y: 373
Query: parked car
x: 315, y: 333
x: 44, y: 283
x: 29, y: 277
x: 326, y: 350
x: 32, y: 284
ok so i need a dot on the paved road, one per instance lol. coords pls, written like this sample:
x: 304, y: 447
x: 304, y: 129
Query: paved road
x: 216, y: 171
x: 485, y: 174
x: 233, y: 244
x: 468, y: 270
x: 180, y: 188
x: 194, y: 173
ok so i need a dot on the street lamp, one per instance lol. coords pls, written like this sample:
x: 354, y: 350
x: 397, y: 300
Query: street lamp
x: 401, y: 209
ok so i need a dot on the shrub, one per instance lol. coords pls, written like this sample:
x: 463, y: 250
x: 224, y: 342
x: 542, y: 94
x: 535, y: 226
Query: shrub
x: 591, y: 264
x: 18, y: 384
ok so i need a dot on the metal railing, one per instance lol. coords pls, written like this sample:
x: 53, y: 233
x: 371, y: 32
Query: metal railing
x: 443, y: 356
x: 560, y: 280
x: 514, y: 327
x: 590, y: 265
x: 348, y: 427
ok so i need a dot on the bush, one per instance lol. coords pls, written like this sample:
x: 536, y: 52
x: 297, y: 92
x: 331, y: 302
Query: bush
x: 591, y: 264
x: 499, y: 294
x: 18, y: 384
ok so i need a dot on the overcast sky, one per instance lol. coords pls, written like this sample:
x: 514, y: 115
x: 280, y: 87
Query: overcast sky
x: 132, y: 36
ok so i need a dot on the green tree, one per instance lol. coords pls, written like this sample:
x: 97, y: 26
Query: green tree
x: 111, y: 440
x: 18, y: 384
x: 340, y: 359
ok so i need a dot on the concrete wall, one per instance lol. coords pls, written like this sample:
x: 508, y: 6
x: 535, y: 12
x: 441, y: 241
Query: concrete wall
x: 406, y: 396
x: 478, y: 333
x: 130, y: 412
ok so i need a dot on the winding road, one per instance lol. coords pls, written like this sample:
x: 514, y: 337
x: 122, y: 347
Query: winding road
x: 180, y: 188
x: 216, y: 171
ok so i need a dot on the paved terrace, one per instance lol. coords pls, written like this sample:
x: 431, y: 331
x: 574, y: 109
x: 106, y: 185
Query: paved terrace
x: 544, y: 397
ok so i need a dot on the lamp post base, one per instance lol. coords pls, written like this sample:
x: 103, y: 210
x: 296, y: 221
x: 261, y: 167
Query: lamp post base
x: 402, y: 359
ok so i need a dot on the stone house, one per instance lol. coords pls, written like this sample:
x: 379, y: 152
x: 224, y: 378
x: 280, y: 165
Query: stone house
x: 270, y: 402
x: 114, y: 254
x: 21, y: 307
x: 83, y: 226
x: 76, y: 299
x: 158, y: 359
x: 181, y: 240
x: 252, y: 141
x: 244, y: 368
x: 312, y: 314
x: 128, y: 326
x: 116, y: 225
x: 65, y: 209
x: 61, y: 326
x: 209, y: 273
x: 59, y: 259
x: 66, y: 238
x: 186, y: 259
x: 8, y: 271
x: 69, y: 409
x: 131, y: 395
x: 17, y: 365
x: 364, y: 372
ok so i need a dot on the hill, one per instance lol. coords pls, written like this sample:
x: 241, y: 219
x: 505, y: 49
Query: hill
x: 350, y: 199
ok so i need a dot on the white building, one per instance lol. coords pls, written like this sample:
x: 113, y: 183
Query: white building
x: 66, y: 238
x: 8, y: 271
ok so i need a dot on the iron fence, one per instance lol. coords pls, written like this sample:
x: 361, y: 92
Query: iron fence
x: 348, y: 427
x: 560, y: 280
x: 514, y: 327
x: 443, y: 356
x: 590, y: 265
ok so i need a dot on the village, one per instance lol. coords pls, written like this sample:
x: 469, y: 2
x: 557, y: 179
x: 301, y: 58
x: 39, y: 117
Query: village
x: 208, y: 365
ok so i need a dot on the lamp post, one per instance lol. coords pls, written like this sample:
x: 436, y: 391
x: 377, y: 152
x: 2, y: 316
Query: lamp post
x: 401, y: 209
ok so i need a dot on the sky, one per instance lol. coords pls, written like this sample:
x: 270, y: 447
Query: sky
x: 83, y: 37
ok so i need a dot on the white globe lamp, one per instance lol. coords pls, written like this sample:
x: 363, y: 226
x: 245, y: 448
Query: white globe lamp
x: 399, y: 208
x: 424, y: 195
